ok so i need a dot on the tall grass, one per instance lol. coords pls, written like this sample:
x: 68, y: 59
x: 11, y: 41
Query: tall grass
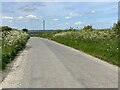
x: 12, y: 42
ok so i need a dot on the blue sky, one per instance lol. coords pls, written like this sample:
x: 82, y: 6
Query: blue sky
x: 59, y: 15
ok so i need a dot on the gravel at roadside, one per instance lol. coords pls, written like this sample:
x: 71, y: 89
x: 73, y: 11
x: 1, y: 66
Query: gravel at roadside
x: 15, y: 75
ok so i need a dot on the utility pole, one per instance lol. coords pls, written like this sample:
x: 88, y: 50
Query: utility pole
x: 43, y: 24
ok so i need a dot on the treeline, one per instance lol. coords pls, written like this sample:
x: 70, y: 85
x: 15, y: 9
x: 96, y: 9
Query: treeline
x: 7, y: 28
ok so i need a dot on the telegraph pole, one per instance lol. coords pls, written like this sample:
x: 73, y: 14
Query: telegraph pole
x: 43, y: 24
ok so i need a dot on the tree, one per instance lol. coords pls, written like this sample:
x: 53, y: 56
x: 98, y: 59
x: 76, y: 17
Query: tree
x: 6, y: 28
x: 114, y: 26
x: 25, y: 30
x: 71, y: 29
x: 88, y: 27
x: 118, y: 25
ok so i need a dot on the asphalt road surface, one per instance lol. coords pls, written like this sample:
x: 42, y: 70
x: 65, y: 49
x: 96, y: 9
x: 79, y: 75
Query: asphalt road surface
x: 48, y: 64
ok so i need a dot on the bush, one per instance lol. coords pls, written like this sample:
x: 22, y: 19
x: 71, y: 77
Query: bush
x: 6, y: 28
x: 88, y: 28
x: 12, y: 42
x: 25, y: 30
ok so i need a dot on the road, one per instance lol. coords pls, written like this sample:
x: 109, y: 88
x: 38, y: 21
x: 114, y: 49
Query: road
x: 47, y: 64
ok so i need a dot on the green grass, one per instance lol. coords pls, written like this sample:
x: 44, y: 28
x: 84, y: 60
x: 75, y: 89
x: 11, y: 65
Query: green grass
x: 0, y: 55
x: 12, y: 42
x: 101, y: 46
x: 95, y: 48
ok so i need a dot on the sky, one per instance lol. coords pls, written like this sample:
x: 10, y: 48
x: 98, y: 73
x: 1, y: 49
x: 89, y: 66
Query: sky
x: 59, y: 15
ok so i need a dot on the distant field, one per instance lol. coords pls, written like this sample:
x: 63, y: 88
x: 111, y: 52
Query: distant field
x: 102, y: 44
x: 32, y: 32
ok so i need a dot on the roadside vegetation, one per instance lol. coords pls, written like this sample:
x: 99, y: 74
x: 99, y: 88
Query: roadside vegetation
x: 13, y: 41
x: 101, y: 43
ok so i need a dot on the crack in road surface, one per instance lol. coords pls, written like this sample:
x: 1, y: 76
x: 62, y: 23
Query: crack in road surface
x: 47, y: 64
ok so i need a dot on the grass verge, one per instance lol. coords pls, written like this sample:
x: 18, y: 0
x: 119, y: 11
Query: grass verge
x: 12, y: 42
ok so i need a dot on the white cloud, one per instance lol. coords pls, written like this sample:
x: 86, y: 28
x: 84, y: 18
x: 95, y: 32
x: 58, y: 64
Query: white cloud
x: 27, y: 8
x: 93, y: 11
x: 10, y: 19
x: 71, y: 14
x: 31, y: 17
x: 55, y: 19
x: 90, y: 12
x: 20, y: 17
x: 78, y: 23
x: 7, y: 18
x: 66, y: 23
x: 68, y: 17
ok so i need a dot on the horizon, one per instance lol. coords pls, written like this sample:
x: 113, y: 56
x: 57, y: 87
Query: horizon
x: 59, y: 15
